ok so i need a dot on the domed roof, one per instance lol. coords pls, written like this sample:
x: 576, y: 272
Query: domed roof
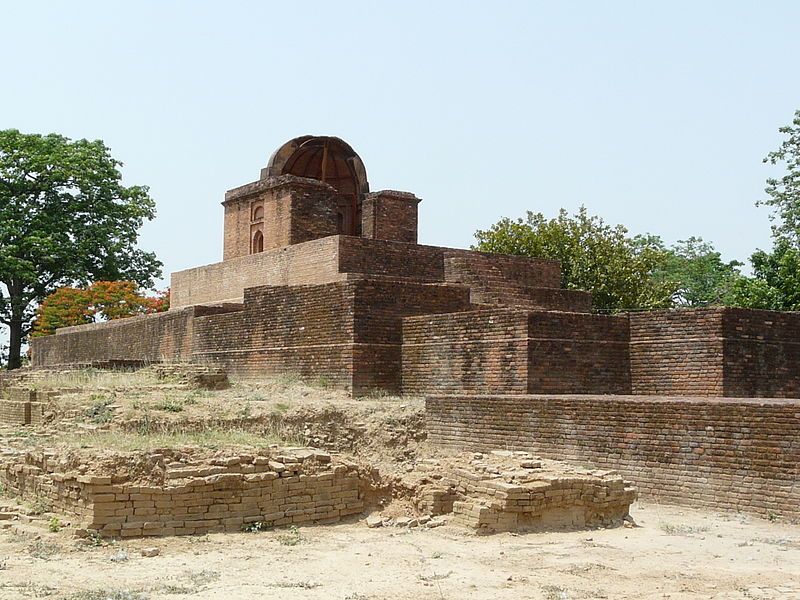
x: 327, y: 159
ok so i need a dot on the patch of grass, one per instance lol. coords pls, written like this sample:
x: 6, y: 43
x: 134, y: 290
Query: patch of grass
x: 54, y: 525
x: 554, y: 592
x: 95, y: 379
x: 291, y: 538
x: 41, y: 506
x: 681, y: 529
x: 280, y: 407
x: 169, y: 405
x: 306, y: 585
x: 100, y: 411
x: 30, y: 589
x: 435, y: 576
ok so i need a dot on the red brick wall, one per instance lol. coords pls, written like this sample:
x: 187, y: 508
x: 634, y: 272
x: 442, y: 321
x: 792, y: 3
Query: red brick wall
x: 516, y: 351
x: 149, y: 338
x: 677, y: 352
x: 296, y: 210
x: 348, y: 333
x: 575, y: 353
x: 761, y: 353
x: 390, y: 215
x: 472, y: 352
x: 306, y: 330
x: 310, y: 263
x: 724, y: 454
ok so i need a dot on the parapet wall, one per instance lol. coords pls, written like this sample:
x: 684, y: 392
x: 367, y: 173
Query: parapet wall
x: 730, y: 454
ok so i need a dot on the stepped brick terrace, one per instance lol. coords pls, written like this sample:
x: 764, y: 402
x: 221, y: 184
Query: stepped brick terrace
x: 323, y: 278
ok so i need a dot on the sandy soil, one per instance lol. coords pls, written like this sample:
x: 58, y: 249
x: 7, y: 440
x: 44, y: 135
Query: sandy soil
x: 674, y: 553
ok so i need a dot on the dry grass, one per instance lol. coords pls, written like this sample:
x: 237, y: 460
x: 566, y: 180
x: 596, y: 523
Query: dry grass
x: 94, y: 379
x: 211, y: 438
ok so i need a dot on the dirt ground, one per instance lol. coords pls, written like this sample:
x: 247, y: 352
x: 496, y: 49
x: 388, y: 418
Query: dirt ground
x: 674, y: 553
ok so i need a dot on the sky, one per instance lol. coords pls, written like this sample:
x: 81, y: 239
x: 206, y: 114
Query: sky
x: 653, y: 115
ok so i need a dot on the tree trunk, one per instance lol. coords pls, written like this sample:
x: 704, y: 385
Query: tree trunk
x: 16, y: 323
x: 15, y: 344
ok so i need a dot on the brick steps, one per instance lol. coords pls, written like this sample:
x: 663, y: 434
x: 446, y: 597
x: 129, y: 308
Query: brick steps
x: 493, y: 285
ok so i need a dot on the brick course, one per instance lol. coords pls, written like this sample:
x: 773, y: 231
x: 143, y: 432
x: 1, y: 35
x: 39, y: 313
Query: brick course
x: 731, y: 454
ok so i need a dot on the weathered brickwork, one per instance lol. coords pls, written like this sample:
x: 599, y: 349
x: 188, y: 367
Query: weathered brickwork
x: 286, y: 210
x: 390, y: 215
x: 304, y: 264
x: 716, y: 352
x: 677, y: 352
x: 731, y: 454
x: 348, y: 333
x: 516, y: 351
x: 493, y: 281
x: 471, y: 351
x: 761, y: 353
x: 148, y: 338
x: 225, y: 494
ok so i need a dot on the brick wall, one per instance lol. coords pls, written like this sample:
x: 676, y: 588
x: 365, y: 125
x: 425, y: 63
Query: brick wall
x: 515, y: 351
x: 575, y: 353
x: 761, y: 352
x: 716, y: 352
x: 307, y: 330
x: 148, y: 338
x: 677, y: 352
x: 472, y: 352
x: 390, y: 215
x: 348, y: 333
x: 225, y: 495
x: 379, y: 308
x: 294, y: 209
x: 314, y: 262
x: 721, y: 453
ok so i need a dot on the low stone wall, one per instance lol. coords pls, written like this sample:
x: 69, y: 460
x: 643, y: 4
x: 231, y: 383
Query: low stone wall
x: 731, y: 454
x: 221, y: 494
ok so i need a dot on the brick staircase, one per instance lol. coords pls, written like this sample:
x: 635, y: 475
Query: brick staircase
x: 491, y: 284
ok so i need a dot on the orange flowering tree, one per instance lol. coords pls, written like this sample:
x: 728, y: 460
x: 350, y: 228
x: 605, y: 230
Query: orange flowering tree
x: 103, y: 300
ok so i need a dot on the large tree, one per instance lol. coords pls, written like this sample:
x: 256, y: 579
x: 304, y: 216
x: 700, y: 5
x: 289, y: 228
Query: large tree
x: 784, y: 192
x: 603, y: 259
x: 65, y: 219
x: 698, y: 273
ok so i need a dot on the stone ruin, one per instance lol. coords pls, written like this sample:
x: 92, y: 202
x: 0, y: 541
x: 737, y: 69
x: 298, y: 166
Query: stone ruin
x: 323, y: 278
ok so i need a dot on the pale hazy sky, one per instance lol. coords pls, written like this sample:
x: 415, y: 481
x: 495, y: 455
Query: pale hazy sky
x: 654, y: 115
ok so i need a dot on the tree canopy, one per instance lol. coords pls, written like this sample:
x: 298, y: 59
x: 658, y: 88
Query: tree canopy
x: 65, y: 219
x: 103, y: 300
x: 604, y: 259
x: 783, y: 193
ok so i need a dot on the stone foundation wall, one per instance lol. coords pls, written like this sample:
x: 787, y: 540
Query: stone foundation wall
x: 726, y: 454
x: 224, y: 494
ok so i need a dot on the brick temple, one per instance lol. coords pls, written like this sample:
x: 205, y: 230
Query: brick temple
x: 323, y: 278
